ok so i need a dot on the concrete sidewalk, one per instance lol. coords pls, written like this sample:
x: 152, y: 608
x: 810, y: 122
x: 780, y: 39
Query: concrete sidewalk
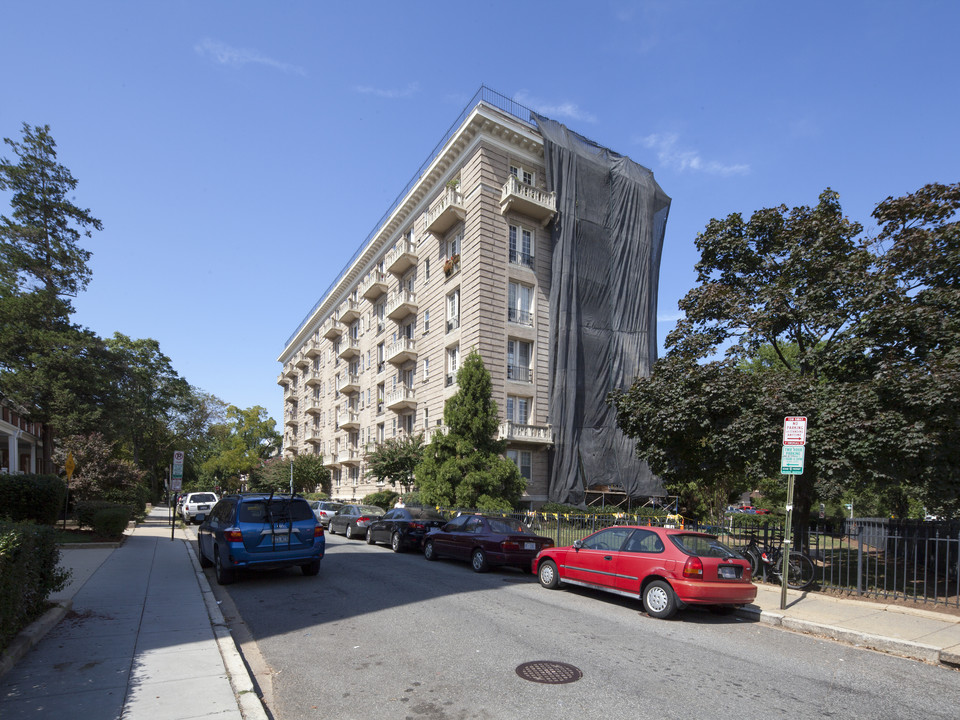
x: 141, y: 638
x: 909, y: 632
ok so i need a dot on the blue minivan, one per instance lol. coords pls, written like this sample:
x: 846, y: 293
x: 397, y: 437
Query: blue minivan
x: 260, y: 531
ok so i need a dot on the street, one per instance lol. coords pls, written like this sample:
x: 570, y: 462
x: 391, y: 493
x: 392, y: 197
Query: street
x: 385, y: 635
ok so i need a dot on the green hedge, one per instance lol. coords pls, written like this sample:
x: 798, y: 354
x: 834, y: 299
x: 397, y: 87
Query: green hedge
x: 111, y: 522
x: 86, y: 511
x: 385, y: 499
x: 32, y: 497
x: 28, y: 574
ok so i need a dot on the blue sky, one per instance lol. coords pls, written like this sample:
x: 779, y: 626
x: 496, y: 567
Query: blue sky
x: 239, y: 152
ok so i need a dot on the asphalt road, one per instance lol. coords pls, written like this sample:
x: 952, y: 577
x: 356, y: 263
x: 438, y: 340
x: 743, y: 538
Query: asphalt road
x: 385, y: 635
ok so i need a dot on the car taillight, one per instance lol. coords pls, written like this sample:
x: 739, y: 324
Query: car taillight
x: 318, y: 530
x: 233, y: 536
x: 416, y: 526
x: 508, y: 545
x: 693, y: 568
x: 546, y: 544
x: 363, y: 519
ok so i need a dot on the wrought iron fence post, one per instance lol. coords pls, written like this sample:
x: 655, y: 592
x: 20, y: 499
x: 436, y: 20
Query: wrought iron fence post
x: 860, y: 559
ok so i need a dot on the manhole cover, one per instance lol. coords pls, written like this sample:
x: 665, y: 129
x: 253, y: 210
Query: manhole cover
x: 549, y: 672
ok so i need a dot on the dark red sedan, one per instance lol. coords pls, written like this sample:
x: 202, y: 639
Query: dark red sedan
x: 668, y: 569
x: 485, y: 541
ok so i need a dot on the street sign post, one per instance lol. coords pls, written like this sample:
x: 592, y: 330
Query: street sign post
x: 176, y: 483
x: 791, y: 465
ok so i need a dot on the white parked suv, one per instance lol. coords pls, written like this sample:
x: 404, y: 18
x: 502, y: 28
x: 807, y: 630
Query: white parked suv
x: 198, y: 503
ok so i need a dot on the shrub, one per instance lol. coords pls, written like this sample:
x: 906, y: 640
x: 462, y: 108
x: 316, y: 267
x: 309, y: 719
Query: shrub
x: 32, y: 497
x: 111, y: 521
x: 385, y: 499
x: 28, y: 574
x: 86, y: 511
x: 316, y: 496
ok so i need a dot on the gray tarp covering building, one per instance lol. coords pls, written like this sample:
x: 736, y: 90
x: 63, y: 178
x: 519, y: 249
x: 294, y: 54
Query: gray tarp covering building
x: 607, y: 239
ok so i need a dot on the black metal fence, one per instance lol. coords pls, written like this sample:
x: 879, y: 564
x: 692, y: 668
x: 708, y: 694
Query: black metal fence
x: 867, y: 557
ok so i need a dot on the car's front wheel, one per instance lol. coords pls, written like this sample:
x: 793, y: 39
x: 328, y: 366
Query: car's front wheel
x: 659, y: 600
x: 428, y: 551
x: 548, y: 576
x: 370, y: 540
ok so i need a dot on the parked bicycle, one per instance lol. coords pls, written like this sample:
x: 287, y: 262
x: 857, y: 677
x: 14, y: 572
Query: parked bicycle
x: 800, y: 568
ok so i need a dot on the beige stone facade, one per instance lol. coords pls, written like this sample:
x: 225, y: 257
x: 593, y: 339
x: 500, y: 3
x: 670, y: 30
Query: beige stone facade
x: 462, y: 264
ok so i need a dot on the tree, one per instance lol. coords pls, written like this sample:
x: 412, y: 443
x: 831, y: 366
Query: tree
x: 100, y: 474
x: 274, y: 475
x: 859, y: 334
x: 40, y: 241
x: 249, y: 437
x: 395, y: 460
x: 464, y: 467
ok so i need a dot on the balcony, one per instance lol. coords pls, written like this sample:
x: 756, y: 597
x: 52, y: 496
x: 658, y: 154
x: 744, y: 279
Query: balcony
x: 331, y: 328
x: 349, y: 420
x: 402, y: 257
x: 528, y: 200
x: 290, y: 394
x: 313, y: 406
x: 429, y: 433
x: 518, y: 373
x: 447, y: 212
x: 349, y: 348
x: 332, y: 463
x: 401, y: 398
x: 349, y: 384
x: 302, y: 360
x: 349, y: 457
x: 291, y: 371
x: 290, y: 419
x: 349, y: 311
x: 401, y: 304
x: 313, y: 436
x: 401, y: 351
x: 314, y: 377
x: 529, y: 434
x: 520, y: 317
x: 282, y: 379
x: 313, y: 348
x: 375, y: 285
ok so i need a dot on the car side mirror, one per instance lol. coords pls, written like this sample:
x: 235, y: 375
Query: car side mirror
x: 577, y: 544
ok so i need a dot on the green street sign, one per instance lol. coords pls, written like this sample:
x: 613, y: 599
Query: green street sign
x: 791, y: 460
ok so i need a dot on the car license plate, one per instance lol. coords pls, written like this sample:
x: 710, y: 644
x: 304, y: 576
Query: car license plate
x: 728, y: 572
x: 529, y: 546
x: 280, y: 538
x: 203, y: 507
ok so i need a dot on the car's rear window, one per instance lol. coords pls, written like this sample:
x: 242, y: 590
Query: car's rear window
x: 702, y: 546
x: 371, y: 510
x: 279, y: 510
x: 505, y: 526
x: 203, y: 497
x: 424, y: 514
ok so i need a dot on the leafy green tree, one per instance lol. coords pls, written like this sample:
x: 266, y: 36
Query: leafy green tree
x: 395, y: 460
x: 100, y: 474
x: 249, y: 438
x: 41, y: 240
x: 274, y: 474
x: 464, y: 467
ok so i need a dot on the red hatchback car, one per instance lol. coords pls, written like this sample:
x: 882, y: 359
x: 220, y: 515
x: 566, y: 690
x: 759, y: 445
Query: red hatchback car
x: 668, y: 569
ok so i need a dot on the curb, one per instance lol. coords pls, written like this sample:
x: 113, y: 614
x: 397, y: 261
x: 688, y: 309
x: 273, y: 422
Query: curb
x: 31, y: 635
x: 250, y: 704
x: 901, y: 648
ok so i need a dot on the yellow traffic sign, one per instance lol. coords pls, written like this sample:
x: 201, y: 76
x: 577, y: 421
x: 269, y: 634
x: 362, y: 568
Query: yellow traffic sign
x: 70, y: 465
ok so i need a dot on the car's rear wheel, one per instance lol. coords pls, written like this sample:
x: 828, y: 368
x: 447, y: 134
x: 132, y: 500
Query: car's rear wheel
x: 478, y: 560
x: 395, y: 543
x: 349, y: 532
x: 311, y: 568
x: 659, y: 600
x: 548, y: 576
x: 225, y: 576
x: 428, y: 551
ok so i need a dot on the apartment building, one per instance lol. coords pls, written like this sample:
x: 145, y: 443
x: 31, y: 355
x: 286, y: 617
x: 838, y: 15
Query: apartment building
x: 463, y: 261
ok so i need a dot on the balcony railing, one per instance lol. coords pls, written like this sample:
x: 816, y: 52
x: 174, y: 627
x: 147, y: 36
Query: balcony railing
x: 453, y: 324
x: 350, y: 347
x: 518, y: 373
x: 401, y: 258
x: 349, y: 384
x: 528, y: 200
x: 375, y: 285
x: 400, y: 304
x: 520, y: 317
x: 313, y: 405
x: 302, y: 360
x: 348, y: 457
x: 348, y: 420
x: 402, y: 350
x: 349, y: 311
x: 522, y: 433
x: 401, y: 398
x: 313, y: 348
x: 314, y: 436
x: 521, y: 258
x: 331, y: 328
x: 448, y: 211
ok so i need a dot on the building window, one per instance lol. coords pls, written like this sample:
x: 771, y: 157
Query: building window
x: 523, y: 461
x: 453, y: 364
x: 521, y: 246
x: 380, y: 360
x: 518, y: 409
x: 520, y: 305
x: 523, y: 175
x: 381, y: 392
x: 426, y: 321
x: 427, y: 269
x: 378, y: 311
x: 426, y: 369
x: 453, y: 310
x: 406, y: 423
x: 518, y: 360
